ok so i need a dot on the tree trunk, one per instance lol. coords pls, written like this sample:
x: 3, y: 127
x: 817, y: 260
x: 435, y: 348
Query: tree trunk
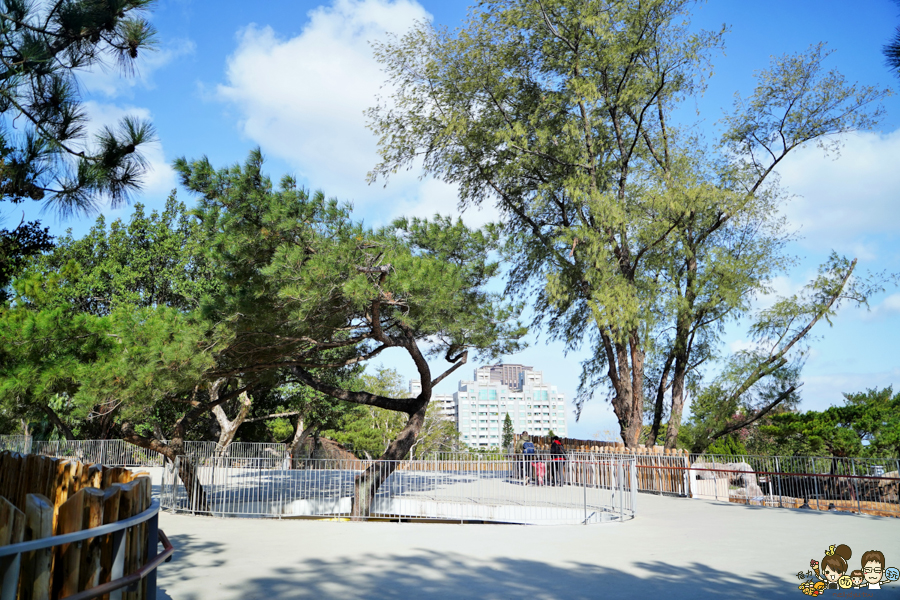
x: 367, y: 483
x: 301, y: 434
x: 660, y: 399
x: 678, y: 378
x: 682, y: 354
x: 636, y: 424
x: 64, y: 429
x: 173, y: 450
x: 628, y: 386
x: 228, y: 428
x: 677, y: 407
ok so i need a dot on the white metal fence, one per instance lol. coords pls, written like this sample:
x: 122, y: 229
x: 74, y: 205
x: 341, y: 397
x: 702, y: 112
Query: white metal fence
x: 861, y: 485
x: 15, y: 443
x: 866, y: 485
x: 112, y: 453
x: 595, y: 489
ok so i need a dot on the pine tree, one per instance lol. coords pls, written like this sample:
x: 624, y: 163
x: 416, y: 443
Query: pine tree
x: 44, y: 154
x: 508, y: 433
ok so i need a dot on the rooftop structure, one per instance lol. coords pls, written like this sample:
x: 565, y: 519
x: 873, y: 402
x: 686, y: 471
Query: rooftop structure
x: 505, y: 374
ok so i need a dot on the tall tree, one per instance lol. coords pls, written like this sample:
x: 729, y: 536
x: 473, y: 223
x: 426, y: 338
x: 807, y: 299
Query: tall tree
x: 508, y: 433
x: 892, y: 53
x: 45, y: 154
x: 628, y: 237
x: 307, y: 290
x: 16, y: 247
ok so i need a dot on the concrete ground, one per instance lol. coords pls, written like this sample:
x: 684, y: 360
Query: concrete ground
x: 675, y: 548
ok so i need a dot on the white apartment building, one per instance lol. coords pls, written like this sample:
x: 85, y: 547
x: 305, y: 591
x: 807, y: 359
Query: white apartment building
x: 482, y: 405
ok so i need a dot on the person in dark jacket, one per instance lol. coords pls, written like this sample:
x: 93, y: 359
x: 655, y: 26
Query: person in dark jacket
x: 557, y: 462
x: 525, y: 452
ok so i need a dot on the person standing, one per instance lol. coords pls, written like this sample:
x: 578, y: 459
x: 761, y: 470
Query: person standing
x: 558, y: 462
x: 524, y: 454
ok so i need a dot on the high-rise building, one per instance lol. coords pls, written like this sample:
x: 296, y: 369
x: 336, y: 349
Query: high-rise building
x: 482, y: 405
x: 508, y: 375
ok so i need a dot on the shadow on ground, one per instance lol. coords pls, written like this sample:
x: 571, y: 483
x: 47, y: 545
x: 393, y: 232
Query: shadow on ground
x: 187, y: 552
x: 424, y: 573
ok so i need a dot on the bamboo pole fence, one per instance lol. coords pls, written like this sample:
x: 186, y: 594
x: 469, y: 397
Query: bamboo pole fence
x: 42, y: 496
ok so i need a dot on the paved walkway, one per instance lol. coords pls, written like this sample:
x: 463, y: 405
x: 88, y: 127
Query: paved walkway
x: 675, y: 548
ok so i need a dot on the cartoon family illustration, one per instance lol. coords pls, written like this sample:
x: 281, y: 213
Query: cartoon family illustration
x: 871, y: 575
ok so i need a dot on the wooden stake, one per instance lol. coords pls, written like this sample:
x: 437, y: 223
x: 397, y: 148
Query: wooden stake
x: 128, y: 503
x: 92, y: 476
x: 111, y: 497
x: 137, y: 544
x: 61, y: 488
x: 35, y: 575
x: 67, y: 564
x: 12, y: 523
x: 89, y: 575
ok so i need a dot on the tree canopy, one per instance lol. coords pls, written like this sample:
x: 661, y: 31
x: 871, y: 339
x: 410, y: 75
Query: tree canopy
x: 868, y: 424
x: 632, y: 236
x: 97, y: 319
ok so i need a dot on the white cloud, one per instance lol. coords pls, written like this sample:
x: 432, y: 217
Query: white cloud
x: 107, y: 79
x: 844, y: 200
x: 302, y: 99
x: 888, y: 307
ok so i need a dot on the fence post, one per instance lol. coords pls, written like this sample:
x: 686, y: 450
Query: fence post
x: 28, y: 440
x: 152, y: 551
x: 855, y: 487
x: 584, y: 492
x: 118, y: 562
x: 778, y: 470
x: 9, y: 576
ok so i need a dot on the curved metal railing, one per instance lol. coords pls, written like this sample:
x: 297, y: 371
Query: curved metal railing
x: 520, y: 489
x: 11, y: 555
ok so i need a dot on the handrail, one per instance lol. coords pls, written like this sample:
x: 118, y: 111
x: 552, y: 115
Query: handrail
x: 56, y: 540
x: 11, y: 556
x: 100, y: 590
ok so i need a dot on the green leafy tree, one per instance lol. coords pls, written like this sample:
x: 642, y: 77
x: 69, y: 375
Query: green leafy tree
x: 62, y: 325
x: 868, y: 424
x: 16, y: 246
x: 509, y: 434
x: 729, y: 445
x: 631, y: 236
x: 891, y: 52
x: 369, y: 430
x: 306, y: 290
x: 45, y: 154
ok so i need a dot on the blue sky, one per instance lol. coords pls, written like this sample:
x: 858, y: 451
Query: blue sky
x: 294, y: 78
